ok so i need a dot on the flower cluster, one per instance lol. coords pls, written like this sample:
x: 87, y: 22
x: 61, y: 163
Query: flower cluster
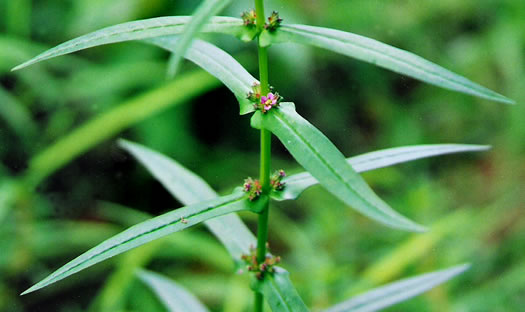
x: 249, y: 18
x: 252, y: 187
x: 274, y: 21
x: 275, y: 180
x: 263, y: 102
x: 260, y: 268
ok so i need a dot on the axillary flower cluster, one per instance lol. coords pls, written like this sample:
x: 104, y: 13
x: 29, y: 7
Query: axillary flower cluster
x: 263, y: 102
x: 254, y: 188
x: 250, y: 19
x: 252, y: 265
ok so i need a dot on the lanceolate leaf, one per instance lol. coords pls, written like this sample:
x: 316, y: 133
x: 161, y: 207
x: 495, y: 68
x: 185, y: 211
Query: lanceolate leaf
x: 231, y: 231
x: 280, y: 293
x: 396, y: 292
x: 297, y: 183
x: 218, y: 63
x: 138, y: 30
x: 325, y: 162
x: 189, y: 188
x: 173, y: 296
x: 147, y: 231
x: 383, y: 55
x: 204, y: 12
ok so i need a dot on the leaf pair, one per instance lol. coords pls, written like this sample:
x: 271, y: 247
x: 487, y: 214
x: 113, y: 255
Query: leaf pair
x: 355, y: 46
x: 278, y: 289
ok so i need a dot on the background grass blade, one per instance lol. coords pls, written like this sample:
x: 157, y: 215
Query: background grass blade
x: 325, y: 162
x: 16, y: 116
x: 396, y: 292
x: 189, y: 188
x: 218, y: 63
x: 115, y: 120
x: 147, y: 231
x: 280, y: 293
x: 137, y: 30
x: 297, y: 183
x: 173, y: 296
x: 383, y: 55
x: 204, y: 12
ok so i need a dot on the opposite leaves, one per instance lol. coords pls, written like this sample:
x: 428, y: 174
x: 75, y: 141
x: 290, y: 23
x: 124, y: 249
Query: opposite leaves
x: 325, y: 162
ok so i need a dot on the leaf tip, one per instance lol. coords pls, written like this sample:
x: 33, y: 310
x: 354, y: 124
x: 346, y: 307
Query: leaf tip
x: 18, y: 67
x: 30, y: 290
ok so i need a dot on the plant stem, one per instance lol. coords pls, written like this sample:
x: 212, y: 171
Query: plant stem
x: 265, y: 160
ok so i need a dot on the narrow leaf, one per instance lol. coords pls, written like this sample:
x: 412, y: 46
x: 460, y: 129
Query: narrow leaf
x: 138, y: 30
x: 147, y: 231
x: 396, y: 292
x: 189, y: 188
x: 325, y: 162
x: 218, y: 63
x: 383, y: 55
x: 204, y: 12
x: 297, y: 183
x: 173, y: 296
x: 280, y: 293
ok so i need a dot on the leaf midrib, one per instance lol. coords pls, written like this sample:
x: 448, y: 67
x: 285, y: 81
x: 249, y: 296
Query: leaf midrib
x: 328, y: 165
x: 143, y: 234
x: 278, y: 291
x: 197, y: 51
x: 364, y: 161
x: 471, y: 85
x: 105, y: 35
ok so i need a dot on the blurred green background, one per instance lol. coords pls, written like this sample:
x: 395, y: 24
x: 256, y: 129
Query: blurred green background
x: 65, y: 186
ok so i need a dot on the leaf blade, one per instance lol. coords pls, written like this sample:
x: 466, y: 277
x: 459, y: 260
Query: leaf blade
x: 396, y: 292
x: 136, y: 30
x: 280, y: 293
x: 325, y: 162
x: 380, y: 54
x: 218, y: 63
x: 147, y: 231
x: 189, y: 188
x: 298, y: 183
x: 202, y: 14
x: 173, y: 296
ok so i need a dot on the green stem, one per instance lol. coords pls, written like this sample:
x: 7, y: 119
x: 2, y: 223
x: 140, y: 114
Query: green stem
x: 265, y: 161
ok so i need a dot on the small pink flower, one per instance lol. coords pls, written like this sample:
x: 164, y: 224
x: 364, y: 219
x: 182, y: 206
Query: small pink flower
x: 269, y: 101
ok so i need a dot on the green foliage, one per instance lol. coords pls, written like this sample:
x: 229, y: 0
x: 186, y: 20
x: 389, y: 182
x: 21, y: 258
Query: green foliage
x: 325, y: 164
x: 323, y: 160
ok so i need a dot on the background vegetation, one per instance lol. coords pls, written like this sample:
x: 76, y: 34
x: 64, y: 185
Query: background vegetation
x: 59, y: 199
